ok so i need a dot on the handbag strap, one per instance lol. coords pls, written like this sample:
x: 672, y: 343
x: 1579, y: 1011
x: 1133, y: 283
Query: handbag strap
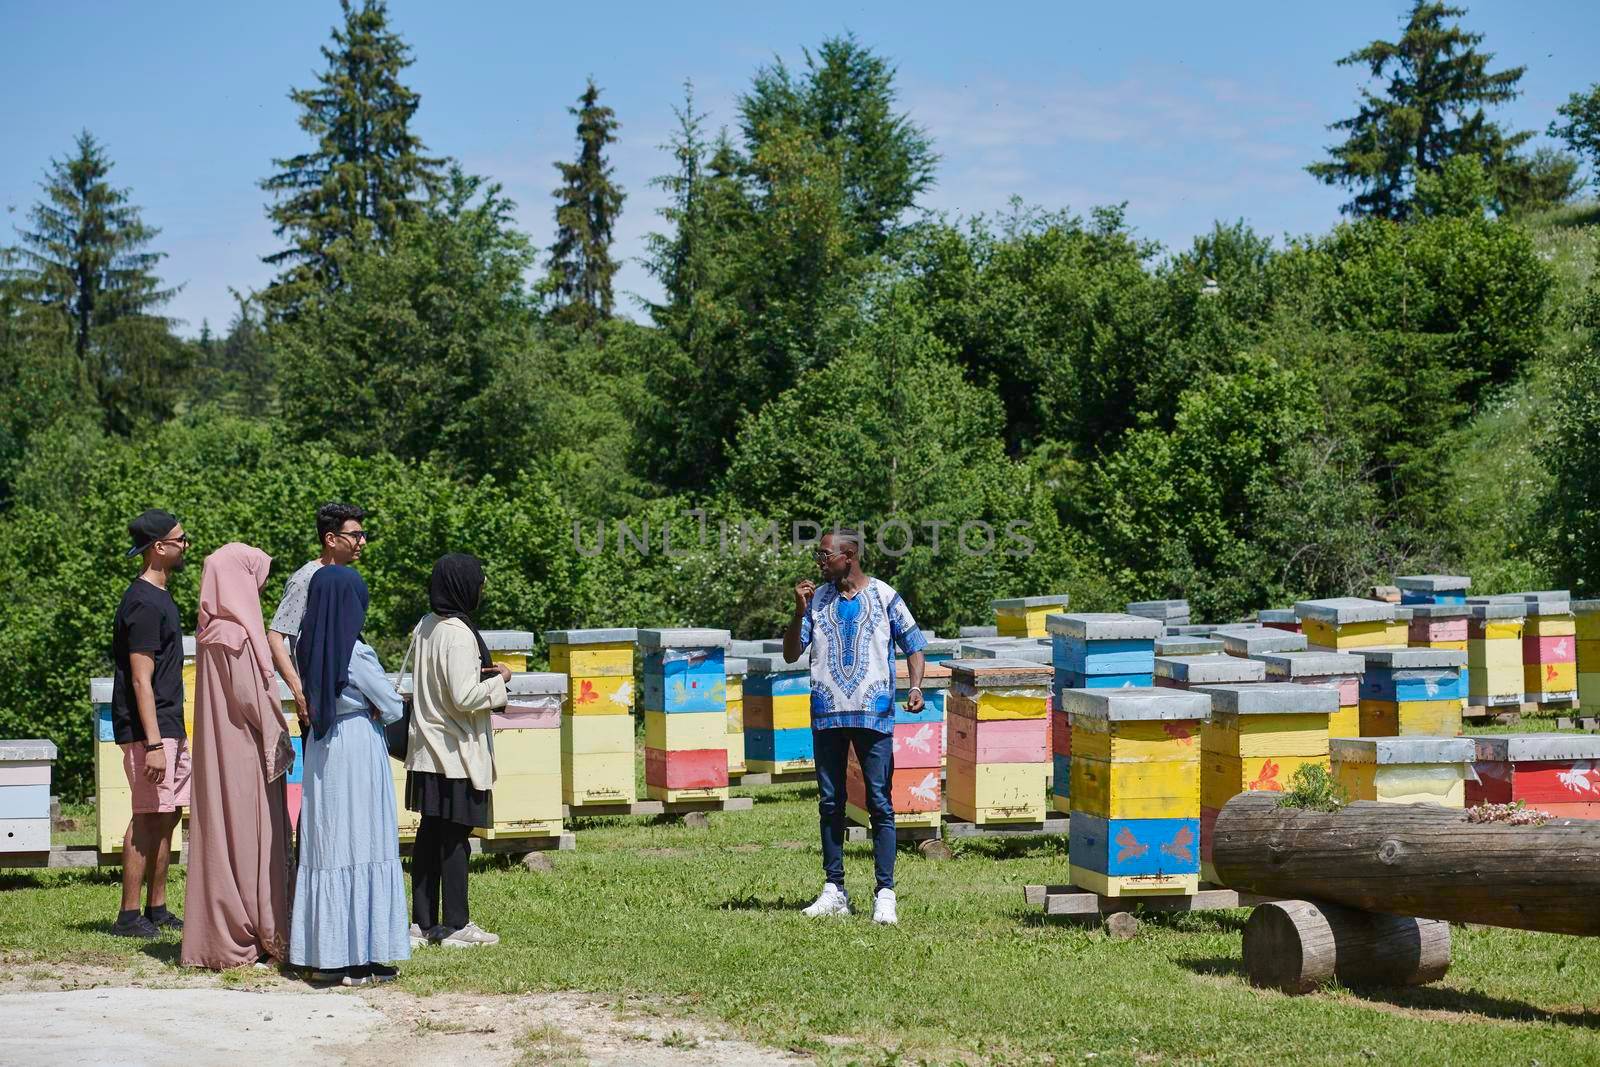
x: 410, y: 648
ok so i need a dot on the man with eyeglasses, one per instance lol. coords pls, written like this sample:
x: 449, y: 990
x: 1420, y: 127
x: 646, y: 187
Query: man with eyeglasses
x: 852, y: 625
x: 147, y: 721
x: 340, y: 532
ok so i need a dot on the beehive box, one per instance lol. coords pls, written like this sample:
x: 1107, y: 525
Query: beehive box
x: 1586, y: 626
x: 1024, y: 616
x: 1025, y: 648
x: 1404, y: 770
x: 1103, y: 650
x: 1412, y: 691
x: 1438, y: 626
x: 736, y: 668
x: 1549, y: 651
x: 996, y: 714
x: 916, y: 791
x: 1257, y: 737
x: 938, y: 649
x: 1339, y: 670
x: 1347, y: 622
x: 777, y: 715
x: 1135, y: 789
x: 1187, y: 645
x: 1556, y: 773
x: 1186, y: 672
x: 686, y: 713
x: 1168, y: 612
x: 1247, y: 641
x: 513, y: 648
x: 1494, y: 652
x: 1279, y: 619
x: 113, y: 807
x: 1433, y: 588
x: 527, y: 758
x: 25, y: 797
x: 597, y: 736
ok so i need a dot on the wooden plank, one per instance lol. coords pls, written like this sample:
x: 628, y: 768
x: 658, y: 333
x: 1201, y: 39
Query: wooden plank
x: 684, y: 807
x: 859, y: 834
x: 1070, y: 900
x: 1054, y: 824
x: 773, y: 778
x: 563, y: 842
x: 641, y: 807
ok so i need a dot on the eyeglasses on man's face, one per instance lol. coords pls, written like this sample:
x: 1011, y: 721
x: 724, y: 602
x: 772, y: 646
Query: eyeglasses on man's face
x: 357, y: 536
x: 182, y: 539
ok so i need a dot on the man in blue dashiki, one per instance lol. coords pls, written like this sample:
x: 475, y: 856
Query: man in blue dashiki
x: 852, y: 625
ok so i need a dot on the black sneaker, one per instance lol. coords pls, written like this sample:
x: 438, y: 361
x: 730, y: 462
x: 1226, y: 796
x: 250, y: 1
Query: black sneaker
x: 166, y: 921
x: 382, y: 972
x: 138, y: 926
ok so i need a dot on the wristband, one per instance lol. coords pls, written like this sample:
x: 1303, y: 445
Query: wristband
x: 151, y: 746
x: 914, y: 689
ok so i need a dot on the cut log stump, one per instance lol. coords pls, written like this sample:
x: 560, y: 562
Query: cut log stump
x: 1297, y: 945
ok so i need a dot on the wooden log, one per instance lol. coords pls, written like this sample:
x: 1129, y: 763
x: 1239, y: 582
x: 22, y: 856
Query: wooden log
x: 1414, y: 859
x: 1296, y: 945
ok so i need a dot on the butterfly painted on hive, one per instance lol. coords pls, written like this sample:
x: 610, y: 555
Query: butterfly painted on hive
x: 1178, y: 732
x: 1131, y: 847
x: 1268, y: 778
x: 1178, y: 847
x: 927, y: 790
x: 586, y: 693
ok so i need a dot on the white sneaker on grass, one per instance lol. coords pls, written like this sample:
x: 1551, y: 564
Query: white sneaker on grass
x: 470, y: 936
x: 419, y: 939
x: 883, y: 910
x: 833, y: 901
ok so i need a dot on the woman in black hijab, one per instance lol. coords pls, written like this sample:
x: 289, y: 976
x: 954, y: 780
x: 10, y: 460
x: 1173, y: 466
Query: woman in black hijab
x: 450, y: 758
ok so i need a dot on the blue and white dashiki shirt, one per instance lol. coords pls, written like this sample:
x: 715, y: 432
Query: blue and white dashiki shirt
x: 852, y: 642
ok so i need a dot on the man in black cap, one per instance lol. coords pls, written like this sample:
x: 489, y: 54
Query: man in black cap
x: 147, y: 720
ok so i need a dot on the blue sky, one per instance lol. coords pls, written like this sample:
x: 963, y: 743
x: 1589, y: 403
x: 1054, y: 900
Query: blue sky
x: 1189, y: 112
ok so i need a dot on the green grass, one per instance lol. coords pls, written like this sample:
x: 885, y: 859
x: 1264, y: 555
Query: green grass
x: 704, y: 923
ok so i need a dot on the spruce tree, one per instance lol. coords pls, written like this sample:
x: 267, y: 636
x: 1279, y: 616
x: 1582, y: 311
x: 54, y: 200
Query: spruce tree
x: 85, y: 262
x: 1432, y: 110
x: 368, y: 173
x: 587, y: 205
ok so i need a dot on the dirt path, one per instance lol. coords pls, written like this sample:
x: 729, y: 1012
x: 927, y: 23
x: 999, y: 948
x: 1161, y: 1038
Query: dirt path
x: 78, y: 1016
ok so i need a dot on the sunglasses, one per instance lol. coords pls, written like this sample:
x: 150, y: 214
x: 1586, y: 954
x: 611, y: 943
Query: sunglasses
x: 186, y: 541
x: 357, y: 535
x: 823, y: 553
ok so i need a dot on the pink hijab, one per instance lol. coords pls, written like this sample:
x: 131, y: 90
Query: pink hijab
x: 230, y: 604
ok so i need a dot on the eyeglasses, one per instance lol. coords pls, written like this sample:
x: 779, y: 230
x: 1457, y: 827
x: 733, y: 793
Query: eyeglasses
x: 357, y: 535
x: 183, y: 540
x: 822, y: 553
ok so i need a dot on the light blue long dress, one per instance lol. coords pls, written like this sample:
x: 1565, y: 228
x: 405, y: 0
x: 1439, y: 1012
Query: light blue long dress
x: 350, y: 896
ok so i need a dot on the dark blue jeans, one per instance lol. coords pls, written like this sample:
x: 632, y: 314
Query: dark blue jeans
x: 875, y: 753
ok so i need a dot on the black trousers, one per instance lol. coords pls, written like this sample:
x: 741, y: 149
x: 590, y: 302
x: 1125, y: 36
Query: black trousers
x: 439, y: 861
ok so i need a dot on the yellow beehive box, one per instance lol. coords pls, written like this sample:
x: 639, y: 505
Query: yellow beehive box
x: 510, y: 647
x: 1550, y: 626
x: 985, y: 793
x: 985, y: 705
x: 1135, y: 740
x: 586, y: 735
x: 1025, y: 616
x: 1350, y: 622
x: 736, y: 669
x: 597, y: 727
x: 1164, y: 790
x: 1549, y: 677
x: 1426, y: 718
x: 527, y: 798
x: 1351, y: 635
x: 788, y: 711
x: 1224, y: 777
x: 680, y: 730
x: 527, y: 752
x: 1404, y: 770
x: 598, y: 777
x: 1346, y: 722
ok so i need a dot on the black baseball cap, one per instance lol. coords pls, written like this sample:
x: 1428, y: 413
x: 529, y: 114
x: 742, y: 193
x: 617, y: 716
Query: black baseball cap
x: 149, y: 528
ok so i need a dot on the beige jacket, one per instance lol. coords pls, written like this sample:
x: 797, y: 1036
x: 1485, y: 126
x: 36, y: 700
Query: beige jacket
x: 451, y: 702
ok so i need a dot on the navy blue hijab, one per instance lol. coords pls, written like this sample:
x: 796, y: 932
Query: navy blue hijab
x: 336, y: 609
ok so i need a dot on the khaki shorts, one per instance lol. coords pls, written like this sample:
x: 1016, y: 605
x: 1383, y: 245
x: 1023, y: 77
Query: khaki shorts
x: 169, y: 794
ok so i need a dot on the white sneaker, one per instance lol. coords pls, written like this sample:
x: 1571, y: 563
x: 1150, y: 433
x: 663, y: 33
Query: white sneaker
x: 470, y: 936
x: 833, y: 901
x: 883, y: 908
x: 418, y: 938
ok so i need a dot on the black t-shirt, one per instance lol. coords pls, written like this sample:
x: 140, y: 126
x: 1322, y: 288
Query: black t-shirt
x: 147, y: 621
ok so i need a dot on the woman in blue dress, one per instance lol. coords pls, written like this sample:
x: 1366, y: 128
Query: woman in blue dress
x: 349, y: 922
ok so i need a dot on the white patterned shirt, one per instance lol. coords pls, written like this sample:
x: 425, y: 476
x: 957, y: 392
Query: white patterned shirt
x: 852, y: 642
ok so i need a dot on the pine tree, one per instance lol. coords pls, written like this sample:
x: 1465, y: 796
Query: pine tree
x: 1432, y: 110
x: 844, y: 104
x: 85, y: 262
x: 368, y: 172
x: 587, y: 205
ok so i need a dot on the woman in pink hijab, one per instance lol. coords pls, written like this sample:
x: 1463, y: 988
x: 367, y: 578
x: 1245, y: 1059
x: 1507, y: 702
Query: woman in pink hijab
x: 236, y: 906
